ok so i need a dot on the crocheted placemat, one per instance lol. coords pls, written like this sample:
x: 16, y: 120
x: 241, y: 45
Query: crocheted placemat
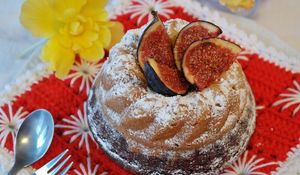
x: 274, y: 78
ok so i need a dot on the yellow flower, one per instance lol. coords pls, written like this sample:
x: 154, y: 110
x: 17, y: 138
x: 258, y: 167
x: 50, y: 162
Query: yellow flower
x: 74, y: 27
x: 233, y: 5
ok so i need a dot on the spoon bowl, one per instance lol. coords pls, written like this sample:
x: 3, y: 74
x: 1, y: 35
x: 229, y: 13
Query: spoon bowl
x: 33, y: 139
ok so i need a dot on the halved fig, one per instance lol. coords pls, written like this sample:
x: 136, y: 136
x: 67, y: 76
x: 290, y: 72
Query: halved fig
x: 164, y: 79
x: 194, y: 31
x: 155, y: 43
x: 205, y: 61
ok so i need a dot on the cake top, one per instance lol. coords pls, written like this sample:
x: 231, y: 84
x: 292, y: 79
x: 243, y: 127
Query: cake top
x: 148, y: 119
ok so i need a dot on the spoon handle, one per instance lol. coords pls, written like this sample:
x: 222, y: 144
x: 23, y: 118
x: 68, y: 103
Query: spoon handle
x: 15, y: 169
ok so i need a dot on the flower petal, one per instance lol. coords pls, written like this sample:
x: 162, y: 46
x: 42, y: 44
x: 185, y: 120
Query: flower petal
x: 97, y: 3
x: 60, y: 58
x: 96, y: 14
x: 95, y: 10
x: 106, y: 23
x: 85, y: 40
x: 68, y: 9
x: 39, y: 18
x: 117, y: 32
x: 93, y: 53
x: 65, y: 40
x: 104, y: 36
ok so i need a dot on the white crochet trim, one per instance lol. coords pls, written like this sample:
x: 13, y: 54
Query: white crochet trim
x: 6, y: 160
x: 23, y: 83
x: 291, y: 165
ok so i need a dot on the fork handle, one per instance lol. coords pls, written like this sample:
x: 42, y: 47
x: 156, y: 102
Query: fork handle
x: 15, y: 169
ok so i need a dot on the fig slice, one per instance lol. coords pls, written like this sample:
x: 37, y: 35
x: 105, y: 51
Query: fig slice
x: 192, y: 32
x: 204, y: 61
x: 155, y: 43
x: 165, y: 80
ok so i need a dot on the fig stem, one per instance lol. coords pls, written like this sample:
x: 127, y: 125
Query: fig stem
x: 154, y: 13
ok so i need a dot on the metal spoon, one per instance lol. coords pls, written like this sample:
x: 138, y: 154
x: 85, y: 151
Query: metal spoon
x: 33, y: 139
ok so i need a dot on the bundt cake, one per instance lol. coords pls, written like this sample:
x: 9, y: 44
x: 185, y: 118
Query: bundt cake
x: 200, y: 131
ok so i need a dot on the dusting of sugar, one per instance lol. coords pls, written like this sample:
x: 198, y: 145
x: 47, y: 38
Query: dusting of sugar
x: 166, y: 110
x: 230, y: 120
x: 200, y: 139
x: 187, y: 154
x: 216, y: 162
x: 177, y: 172
x: 166, y: 116
x: 217, y: 101
x: 172, y: 142
x: 242, y: 93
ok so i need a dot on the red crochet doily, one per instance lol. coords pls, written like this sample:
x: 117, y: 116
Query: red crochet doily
x: 277, y: 126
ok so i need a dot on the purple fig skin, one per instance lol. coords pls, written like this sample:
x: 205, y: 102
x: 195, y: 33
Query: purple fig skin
x: 155, y: 20
x: 178, y: 54
x: 155, y: 83
x: 165, y: 80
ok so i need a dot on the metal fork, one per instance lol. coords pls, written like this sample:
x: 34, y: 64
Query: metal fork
x: 46, y: 168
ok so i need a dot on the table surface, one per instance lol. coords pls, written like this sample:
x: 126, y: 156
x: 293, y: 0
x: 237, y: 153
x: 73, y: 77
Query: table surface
x: 274, y: 22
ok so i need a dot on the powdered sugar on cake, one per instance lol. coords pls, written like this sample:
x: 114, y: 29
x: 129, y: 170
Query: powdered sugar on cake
x: 167, y: 111
x: 153, y: 124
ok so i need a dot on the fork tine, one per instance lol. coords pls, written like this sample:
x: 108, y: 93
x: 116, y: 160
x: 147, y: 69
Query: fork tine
x: 44, y: 169
x: 56, y: 169
x: 63, y: 172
